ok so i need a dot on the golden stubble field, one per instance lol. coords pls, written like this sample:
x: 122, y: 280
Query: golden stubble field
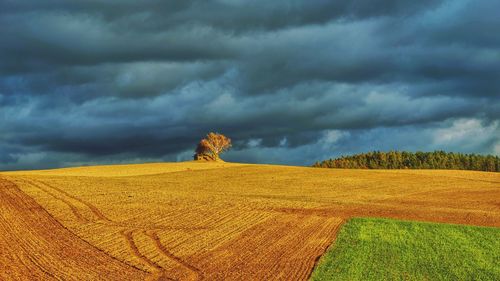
x: 212, y: 221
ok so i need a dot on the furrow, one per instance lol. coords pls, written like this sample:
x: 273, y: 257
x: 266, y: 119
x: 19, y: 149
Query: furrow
x: 73, y: 208
x: 91, y: 207
x: 157, y: 272
x: 161, y: 248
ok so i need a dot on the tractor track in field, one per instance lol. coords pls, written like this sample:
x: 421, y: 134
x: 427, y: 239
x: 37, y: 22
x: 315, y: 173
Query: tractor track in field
x: 158, y: 272
x: 101, y: 218
x: 73, y: 208
x: 131, y: 232
x: 94, y: 210
x: 161, y: 248
x: 91, y: 207
x: 23, y: 223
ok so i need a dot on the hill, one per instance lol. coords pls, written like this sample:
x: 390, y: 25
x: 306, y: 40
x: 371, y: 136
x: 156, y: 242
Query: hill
x: 214, y: 221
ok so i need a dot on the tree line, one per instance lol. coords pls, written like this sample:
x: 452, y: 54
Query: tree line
x: 417, y: 160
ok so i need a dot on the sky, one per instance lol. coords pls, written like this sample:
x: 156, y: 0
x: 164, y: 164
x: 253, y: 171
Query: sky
x: 88, y: 82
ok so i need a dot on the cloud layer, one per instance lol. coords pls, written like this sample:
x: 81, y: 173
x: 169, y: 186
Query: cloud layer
x: 290, y: 81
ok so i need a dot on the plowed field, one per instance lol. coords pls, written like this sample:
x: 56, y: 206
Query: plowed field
x: 212, y: 221
x: 35, y: 246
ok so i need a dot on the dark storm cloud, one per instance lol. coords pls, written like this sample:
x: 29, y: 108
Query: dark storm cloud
x: 229, y: 15
x: 289, y: 81
x: 90, y: 32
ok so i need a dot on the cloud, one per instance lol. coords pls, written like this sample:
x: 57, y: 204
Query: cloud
x: 470, y: 135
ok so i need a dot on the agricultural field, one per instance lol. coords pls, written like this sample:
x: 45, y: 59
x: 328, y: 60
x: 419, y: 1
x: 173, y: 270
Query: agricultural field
x: 213, y: 220
x: 383, y: 249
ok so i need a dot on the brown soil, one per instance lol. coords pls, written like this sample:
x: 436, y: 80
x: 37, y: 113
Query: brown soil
x: 35, y: 246
x: 284, y: 247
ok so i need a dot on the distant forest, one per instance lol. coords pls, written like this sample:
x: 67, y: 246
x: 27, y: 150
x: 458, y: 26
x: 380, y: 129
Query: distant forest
x: 418, y: 160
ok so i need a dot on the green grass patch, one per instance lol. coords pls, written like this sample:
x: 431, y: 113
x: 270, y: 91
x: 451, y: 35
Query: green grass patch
x: 383, y: 249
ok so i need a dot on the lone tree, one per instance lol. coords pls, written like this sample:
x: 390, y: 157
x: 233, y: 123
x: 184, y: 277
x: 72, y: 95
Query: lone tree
x: 211, y: 147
